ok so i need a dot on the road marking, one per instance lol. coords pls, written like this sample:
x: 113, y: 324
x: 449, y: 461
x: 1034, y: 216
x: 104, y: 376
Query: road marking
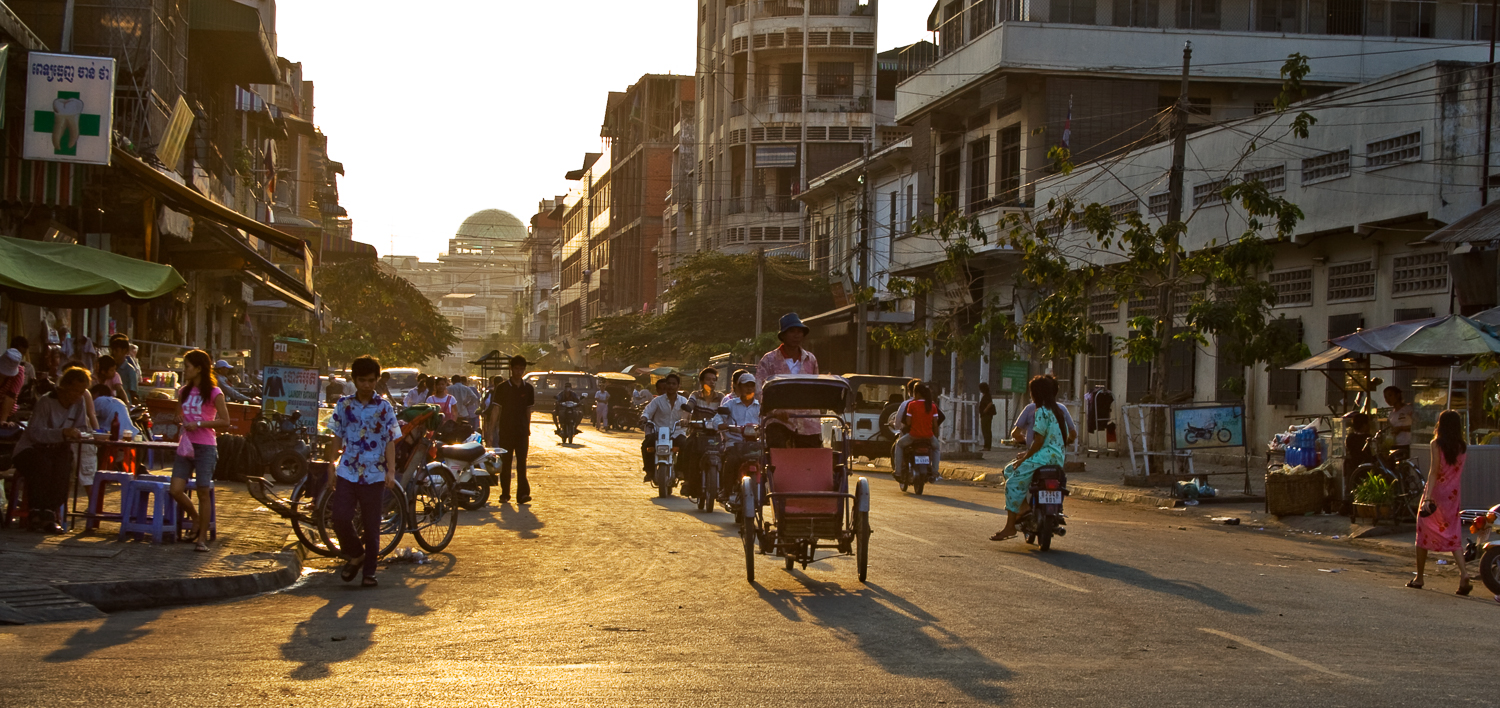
x: 1280, y: 654
x: 882, y: 529
x: 1039, y: 576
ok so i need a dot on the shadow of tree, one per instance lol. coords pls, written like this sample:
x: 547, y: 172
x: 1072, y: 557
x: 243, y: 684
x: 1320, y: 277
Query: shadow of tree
x: 117, y: 629
x: 342, y: 629
x: 898, y: 635
x: 1185, y: 589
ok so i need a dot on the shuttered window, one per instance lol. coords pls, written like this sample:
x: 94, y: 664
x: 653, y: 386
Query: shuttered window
x: 1284, y: 388
x: 1098, y: 363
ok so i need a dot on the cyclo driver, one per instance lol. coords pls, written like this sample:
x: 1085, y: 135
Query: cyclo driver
x: 662, y: 411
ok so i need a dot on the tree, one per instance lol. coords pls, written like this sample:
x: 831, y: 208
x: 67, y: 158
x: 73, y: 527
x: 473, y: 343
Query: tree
x: 380, y: 314
x: 713, y: 309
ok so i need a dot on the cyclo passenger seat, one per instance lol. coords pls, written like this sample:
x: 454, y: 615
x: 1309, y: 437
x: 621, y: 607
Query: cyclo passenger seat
x: 465, y: 452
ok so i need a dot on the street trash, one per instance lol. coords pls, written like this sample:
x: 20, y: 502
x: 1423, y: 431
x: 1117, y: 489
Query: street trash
x: 1192, y: 490
x: 1335, y: 538
x: 407, y: 555
x: 1226, y: 520
x: 1330, y: 570
x: 1442, y: 562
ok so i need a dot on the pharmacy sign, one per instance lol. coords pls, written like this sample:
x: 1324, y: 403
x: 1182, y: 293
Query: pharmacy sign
x: 69, y: 108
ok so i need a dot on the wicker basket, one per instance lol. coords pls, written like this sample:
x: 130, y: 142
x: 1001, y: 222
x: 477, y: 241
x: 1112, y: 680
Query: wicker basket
x: 1294, y: 494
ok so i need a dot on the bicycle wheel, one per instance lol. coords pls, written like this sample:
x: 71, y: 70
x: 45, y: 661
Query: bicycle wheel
x: 1410, y: 485
x: 392, y: 522
x: 433, y: 507
x: 306, y: 516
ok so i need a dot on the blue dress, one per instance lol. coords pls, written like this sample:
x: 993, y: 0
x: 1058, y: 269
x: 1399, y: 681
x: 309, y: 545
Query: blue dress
x: 1018, y: 477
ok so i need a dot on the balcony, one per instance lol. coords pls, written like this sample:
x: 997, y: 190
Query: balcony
x: 801, y: 104
x: 771, y: 204
x: 767, y: 9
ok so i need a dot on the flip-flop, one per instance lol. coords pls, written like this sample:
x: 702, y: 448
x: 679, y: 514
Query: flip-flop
x: 201, y: 547
x: 1464, y: 586
x: 351, y: 568
x: 369, y: 583
x: 998, y: 537
x: 1414, y: 584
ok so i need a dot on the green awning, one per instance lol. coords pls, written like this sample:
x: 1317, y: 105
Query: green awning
x: 69, y: 275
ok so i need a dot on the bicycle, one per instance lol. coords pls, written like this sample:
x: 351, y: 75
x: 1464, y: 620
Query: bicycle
x: 1405, y: 476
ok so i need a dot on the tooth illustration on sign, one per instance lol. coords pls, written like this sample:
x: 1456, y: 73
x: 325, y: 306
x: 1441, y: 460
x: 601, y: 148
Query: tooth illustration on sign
x: 67, y: 112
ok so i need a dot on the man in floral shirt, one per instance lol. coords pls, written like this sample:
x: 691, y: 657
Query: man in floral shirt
x: 366, y: 427
x: 790, y: 358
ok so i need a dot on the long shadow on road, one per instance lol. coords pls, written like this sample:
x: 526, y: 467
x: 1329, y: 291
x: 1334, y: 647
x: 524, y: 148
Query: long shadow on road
x: 117, y: 629
x: 897, y: 634
x: 719, y: 519
x: 342, y: 629
x: 1187, y: 590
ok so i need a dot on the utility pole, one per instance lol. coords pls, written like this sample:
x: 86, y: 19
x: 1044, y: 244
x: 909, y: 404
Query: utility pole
x: 1489, y: 109
x: 861, y: 333
x: 1164, y: 303
x: 760, y: 289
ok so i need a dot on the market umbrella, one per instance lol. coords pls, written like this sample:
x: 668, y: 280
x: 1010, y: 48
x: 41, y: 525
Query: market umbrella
x: 69, y: 275
x: 612, y: 376
x: 1453, y: 338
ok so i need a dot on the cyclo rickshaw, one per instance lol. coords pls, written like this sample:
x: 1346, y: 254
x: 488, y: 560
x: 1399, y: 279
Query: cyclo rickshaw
x: 806, y: 489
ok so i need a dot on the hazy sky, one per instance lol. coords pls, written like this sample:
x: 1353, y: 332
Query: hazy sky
x: 440, y: 110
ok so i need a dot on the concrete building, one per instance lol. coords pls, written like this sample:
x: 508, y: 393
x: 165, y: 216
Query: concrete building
x: 584, y: 215
x: 477, y: 284
x: 678, y: 239
x: 543, y: 250
x: 638, y: 128
x: 786, y: 91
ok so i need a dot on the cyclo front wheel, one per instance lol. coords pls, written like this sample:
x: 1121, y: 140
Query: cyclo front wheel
x: 433, y: 506
x: 862, y: 542
x: 307, y: 513
x: 392, y: 522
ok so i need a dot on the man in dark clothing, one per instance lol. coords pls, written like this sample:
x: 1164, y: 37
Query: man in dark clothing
x: 515, y: 398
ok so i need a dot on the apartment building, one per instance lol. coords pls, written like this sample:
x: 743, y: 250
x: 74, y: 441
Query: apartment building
x: 584, y: 215
x: 542, y: 250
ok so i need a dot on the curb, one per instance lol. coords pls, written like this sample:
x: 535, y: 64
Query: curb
x: 1090, y: 492
x: 158, y: 592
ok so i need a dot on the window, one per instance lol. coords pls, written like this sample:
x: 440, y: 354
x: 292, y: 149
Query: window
x: 1329, y: 165
x: 1394, y: 151
x: 1345, y: 17
x: 1182, y: 364
x: 1351, y: 281
x: 1209, y: 193
x: 1272, y: 178
x: 1284, y: 388
x: 1412, y: 19
x: 1137, y: 381
x: 1078, y: 12
x: 950, y: 169
x: 893, y: 215
x: 1293, y: 287
x: 1419, y: 273
x: 911, y: 208
x: 1136, y: 13
x: 1008, y: 179
x: 1144, y: 305
x: 1229, y: 371
x: 1198, y: 14
x: 1279, y: 16
x: 1099, y: 362
x: 1121, y: 209
x: 979, y: 174
x: 1103, y: 309
x: 836, y: 78
x: 1159, y: 204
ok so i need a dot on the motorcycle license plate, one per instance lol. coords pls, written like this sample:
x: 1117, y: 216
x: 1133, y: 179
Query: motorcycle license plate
x: 923, y: 460
x: 1049, y: 497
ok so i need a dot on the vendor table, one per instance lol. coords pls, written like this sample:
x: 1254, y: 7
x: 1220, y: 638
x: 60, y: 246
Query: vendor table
x: 145, y: 446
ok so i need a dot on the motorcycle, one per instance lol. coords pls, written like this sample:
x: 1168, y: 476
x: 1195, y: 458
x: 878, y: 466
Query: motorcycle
x: 278, y: 444
x: 475, y: 469
x: 745, y: 459
x: 140, y: 417
x: 568, y: 418
x: 666, y: 450
x: 919, y: 469
x: 711, y: 441
x: 1049, y: 485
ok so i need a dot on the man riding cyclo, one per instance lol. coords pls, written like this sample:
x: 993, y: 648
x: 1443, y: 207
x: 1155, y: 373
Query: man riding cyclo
x: 662, y: 411
x: 791, y: 428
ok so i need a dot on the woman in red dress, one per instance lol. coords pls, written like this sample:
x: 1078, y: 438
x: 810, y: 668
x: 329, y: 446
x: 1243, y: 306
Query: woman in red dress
x: 1438, y: 527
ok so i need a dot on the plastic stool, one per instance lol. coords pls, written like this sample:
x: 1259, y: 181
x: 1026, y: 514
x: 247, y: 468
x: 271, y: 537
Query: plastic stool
x: 95, y: 512
x: 138, y: 515
x: 186, y: 524
x: 18, y: 505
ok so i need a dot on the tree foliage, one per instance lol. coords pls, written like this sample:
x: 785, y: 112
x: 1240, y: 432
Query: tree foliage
x: 381, y: 314
x: 713, y: 310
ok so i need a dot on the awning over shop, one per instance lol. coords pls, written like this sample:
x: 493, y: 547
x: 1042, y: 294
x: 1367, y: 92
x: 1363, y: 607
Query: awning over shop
x: 263, y: 271
x: 70, y: 275
x: 234, y: 38
x: 1482, y: 224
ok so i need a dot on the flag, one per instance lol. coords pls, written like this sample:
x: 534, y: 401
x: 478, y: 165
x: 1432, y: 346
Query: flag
x: 268, y: 163
x: 1068, y: 126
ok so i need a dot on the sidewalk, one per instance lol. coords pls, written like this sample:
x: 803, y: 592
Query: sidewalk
x: 80, y: 575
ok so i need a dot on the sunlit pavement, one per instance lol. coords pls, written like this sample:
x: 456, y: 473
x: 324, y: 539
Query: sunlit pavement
x: 599, y: 594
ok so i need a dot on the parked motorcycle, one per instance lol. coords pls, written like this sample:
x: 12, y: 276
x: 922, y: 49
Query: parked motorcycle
x: 568, y: 419
x: 1049, y: 485
x: 919, y: 469
x: 666, y: 450
x: 140, y: 417
x: 278, y: 446
x: 475, y: 469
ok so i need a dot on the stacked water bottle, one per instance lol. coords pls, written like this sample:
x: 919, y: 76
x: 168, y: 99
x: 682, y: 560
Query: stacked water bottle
x: 1303, y: 450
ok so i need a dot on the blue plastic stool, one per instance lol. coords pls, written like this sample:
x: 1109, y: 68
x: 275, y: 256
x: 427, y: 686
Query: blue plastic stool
x: 95, y: 512
x: 139, y: 515
x: 186, y: 524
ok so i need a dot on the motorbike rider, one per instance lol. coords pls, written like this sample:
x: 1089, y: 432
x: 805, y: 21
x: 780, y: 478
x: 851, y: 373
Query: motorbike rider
x: 744, y: 409
x: 567, y: 395
x: 662, y: 411
x: 223, y: 369
x: 920, y: 418
x: 705, y: 402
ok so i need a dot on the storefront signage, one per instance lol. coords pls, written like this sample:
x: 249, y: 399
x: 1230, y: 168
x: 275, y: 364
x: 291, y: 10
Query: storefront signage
x: 294, y: 352
x: 291, y: 389
x: 69, y: 108
x: 1208, y: 426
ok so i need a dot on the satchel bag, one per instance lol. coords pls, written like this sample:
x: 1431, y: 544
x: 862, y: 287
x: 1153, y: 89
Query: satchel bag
x: 184, y: 446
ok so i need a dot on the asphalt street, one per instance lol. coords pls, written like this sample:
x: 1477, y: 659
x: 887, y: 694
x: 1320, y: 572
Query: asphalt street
x: 597, y: 593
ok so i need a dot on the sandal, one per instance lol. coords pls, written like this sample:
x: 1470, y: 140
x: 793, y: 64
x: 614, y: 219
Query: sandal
x: 351, y: 568
x: 1001, y: 536
x: 201, y: 547
x: 1414, y: 584
x: 369, y: 582
x: 1464, y: 586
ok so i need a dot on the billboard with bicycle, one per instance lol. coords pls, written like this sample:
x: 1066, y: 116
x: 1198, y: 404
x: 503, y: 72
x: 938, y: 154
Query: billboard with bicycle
x: 1199, y: 427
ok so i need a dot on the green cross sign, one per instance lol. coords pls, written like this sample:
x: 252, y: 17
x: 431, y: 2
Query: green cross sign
x: 45, y: 122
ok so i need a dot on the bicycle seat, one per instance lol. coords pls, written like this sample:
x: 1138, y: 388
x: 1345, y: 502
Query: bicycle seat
x: 464, y: 452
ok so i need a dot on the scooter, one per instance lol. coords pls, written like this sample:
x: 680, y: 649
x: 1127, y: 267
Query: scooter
x: 474, y: 469
x: 279, y: 444
x: 568, y: 418
x: 747, y: 455
x: 1049, y: 485
x: 711, y: 463
x: 666, y: 460
x: 919, y: 469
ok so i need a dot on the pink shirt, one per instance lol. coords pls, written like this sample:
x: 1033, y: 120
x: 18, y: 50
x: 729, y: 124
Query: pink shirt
x: 774, y: 363
x: 194, y: 411
x: 445, y: 404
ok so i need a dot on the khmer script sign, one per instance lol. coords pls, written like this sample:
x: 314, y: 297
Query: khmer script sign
x: 69, y: 108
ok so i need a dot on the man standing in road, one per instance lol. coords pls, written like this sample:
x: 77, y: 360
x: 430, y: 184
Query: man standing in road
x: 468, y: 401
x: 515, y: 398
x: 790, y: 358
x: 1401, y: 420
x: 367, y: 430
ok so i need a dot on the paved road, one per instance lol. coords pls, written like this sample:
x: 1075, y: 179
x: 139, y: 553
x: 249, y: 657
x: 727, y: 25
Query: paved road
x: 599, y: 594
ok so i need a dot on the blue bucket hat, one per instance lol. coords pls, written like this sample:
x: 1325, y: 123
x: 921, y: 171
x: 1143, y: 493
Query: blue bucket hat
x: 791, y: 321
